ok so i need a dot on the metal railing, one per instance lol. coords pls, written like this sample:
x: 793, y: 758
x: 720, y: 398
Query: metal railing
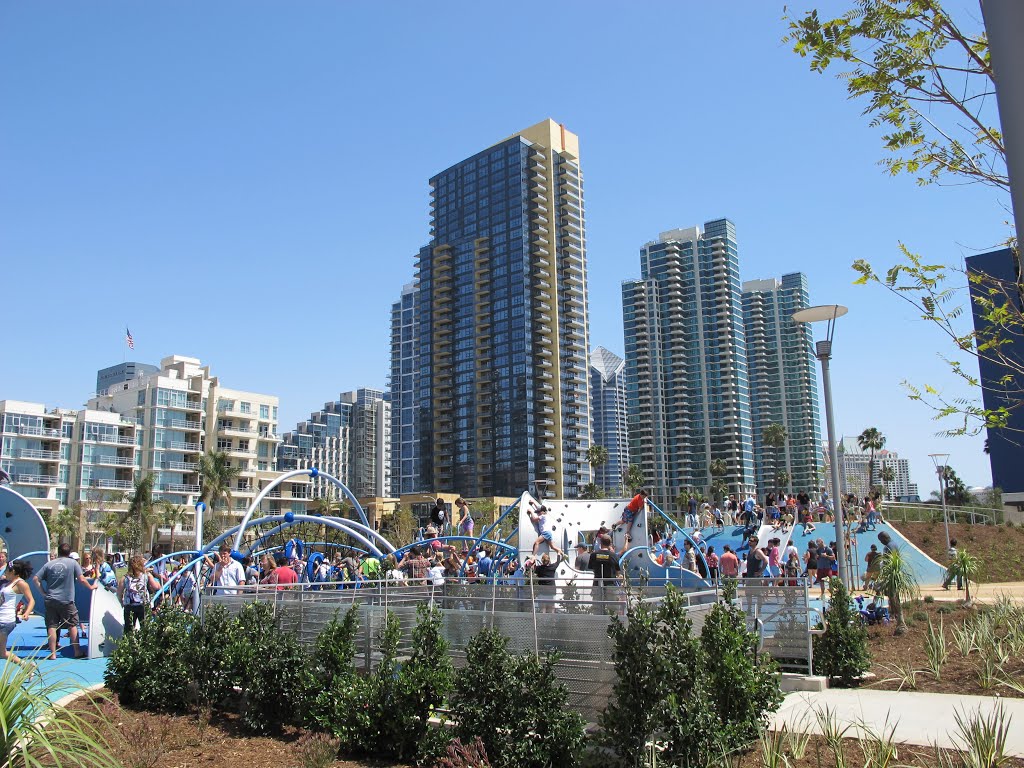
x: 908, y: 512
x: 567, y: 618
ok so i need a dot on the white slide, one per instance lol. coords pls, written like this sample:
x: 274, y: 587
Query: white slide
x: 767, y: 533
x: 106, y: 623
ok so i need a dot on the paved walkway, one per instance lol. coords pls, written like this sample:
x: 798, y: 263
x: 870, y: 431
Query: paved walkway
x: 64, y: 675
x: 922, y: 719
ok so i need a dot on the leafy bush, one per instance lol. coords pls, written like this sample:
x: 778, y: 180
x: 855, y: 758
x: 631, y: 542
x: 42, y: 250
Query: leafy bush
x: 336, y: 648
x: 424, y: 682
x: 744, y: 689
x: 516, y: 706
x: 209, y: 656
x: 841, y: 653
x: 929, y: 598
x: 150, y: 667
x: 317, y: 750
x: 662, y: 692
x: 919, y: 616
x: 269, y: 664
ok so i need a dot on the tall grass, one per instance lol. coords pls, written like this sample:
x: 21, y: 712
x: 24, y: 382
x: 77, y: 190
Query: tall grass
x: 935, y: 647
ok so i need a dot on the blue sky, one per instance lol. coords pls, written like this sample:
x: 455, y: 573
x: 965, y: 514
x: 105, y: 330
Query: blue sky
x: 246, y: 182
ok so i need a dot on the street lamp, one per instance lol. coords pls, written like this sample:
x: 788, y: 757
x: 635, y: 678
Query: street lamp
x: 823, y: 350
x: 941, y: 460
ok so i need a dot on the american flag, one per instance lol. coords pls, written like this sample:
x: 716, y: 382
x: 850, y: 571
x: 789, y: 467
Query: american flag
x: 128, y: 339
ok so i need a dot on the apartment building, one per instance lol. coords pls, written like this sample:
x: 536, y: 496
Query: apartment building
x: 686, y: 363
x: 501, y: 383
x: 405, y: 448
x: 783, y: 382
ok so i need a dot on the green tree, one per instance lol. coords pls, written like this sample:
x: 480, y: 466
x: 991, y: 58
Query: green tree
x: 927, y: 81
x: 65, y: 525
x: 957, y: 493
x: 173, y: 516
x: 216, y: 476
x: 841, y: 653
x: 634, y: 478
x: 965, y: 567
x: 597, y: 457
x: 871, y: 440
x: 718, y: 489
x: 774, y: 437
x: 896, y: 580
x: 592, y: 491
x: 400, y: 526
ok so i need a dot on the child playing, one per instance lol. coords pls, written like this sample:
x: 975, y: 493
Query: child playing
x: 629, y: 512
x: 539, y: 519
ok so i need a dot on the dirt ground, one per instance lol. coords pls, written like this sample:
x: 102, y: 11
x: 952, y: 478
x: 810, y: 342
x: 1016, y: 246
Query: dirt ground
x: 958, y: 675
x: 1000, y: 548
x: 147, y: 740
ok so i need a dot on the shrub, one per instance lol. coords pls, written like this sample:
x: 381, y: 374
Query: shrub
x: 929, y: 599
x: 150, y: 667
x: 841, y: 653
x: 424, y: 682
x: 337, y: 694
x: 919, y: 616
x: 664, y: 692
x: 209, y: 656
x: 270, y: 665
x: 336, y: 648
x: 317, y: 750
x: 515, y: 705
x: 744, y: 690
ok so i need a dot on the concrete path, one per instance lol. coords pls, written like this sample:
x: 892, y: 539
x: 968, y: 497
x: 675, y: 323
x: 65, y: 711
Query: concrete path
x: 922, y: 719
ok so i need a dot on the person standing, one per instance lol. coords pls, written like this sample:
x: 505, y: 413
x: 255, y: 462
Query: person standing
x: 56, y: 580
x: 728, y: 563
x: 757, y: 560
x: 604, y: 563
x: 16, y: 604
x: 228, y: 572
x: 104, y: 573
x: 134, y: 592
x: 439, y: 515
x: 465, y: 518
x: 951, y: 554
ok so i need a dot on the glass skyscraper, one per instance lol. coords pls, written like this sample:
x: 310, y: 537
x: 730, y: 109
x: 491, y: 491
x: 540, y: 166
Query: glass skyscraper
x: 783, y: 383
x: 501, y: 386
x: 686, y: 363
x: 608, y: 417
x: 405, y: 466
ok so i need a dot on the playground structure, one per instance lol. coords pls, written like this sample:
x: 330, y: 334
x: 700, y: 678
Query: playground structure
x: 511, y: 540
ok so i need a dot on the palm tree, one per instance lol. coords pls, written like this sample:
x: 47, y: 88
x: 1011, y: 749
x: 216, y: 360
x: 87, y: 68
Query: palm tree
x: 140, y: 513
x: 216, y: 475
x: 896, y: 580
x: 965, y: 567
x: 592, y: 491
x: 64, y: 526
x: 887, y: 475
x: 173, y: 515
x: 634, y: 478
x: 774, y: 436
x: 871, y: 440
x: 717, y: 469
x: 597, y: 457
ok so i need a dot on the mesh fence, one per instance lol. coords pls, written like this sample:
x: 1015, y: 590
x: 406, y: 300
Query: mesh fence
x: 573, y: 623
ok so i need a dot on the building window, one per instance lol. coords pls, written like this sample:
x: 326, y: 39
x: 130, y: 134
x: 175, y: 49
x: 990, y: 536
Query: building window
x: 264, y: 411
x: 245, y: 407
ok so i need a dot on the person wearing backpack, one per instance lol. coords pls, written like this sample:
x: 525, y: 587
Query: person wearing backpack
x: 136, y: 587
x: 104, y: 571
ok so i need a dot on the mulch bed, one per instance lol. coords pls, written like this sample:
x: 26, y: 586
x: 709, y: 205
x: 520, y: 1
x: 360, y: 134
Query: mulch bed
x: 1000, y: 548
x: 149, y: 740
x: 958, y: 675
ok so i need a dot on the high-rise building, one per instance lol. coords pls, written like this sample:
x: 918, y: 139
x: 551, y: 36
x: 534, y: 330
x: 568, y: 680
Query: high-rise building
x: 853, y: 471
x: 183, y: 411
x: 347, y: 439
x: 783, y: 384
x: 999, y: 272
x: 501, y: 322
x: 608, y: 417
x: 120, y: 373
x: 686, y: 363
x: 405, y: 462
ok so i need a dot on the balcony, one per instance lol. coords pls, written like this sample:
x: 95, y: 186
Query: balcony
x: 35, y: 479
x: 34, y: 453
x: 188, y: 424
x: 180, y: 466
x: 40, y: 431
x: 174, y: 445
x: 124, y: 485
x: 111, y: 439
x: 193, y: 405
x: 178, y: 488
x: 236, y: 430
x: 114, y: 461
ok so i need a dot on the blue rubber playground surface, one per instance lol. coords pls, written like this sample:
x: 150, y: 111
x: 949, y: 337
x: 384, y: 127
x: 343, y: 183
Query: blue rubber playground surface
x: 66, y: 674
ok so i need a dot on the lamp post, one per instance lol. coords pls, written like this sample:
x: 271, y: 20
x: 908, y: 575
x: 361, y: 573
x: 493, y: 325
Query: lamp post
x: 823, y: 351
x: 198, y: 523
x: 941, y: 460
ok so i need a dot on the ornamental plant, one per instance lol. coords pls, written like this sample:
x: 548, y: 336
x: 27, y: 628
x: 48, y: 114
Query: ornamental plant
x: 841, y: 653
x: 149, y: 667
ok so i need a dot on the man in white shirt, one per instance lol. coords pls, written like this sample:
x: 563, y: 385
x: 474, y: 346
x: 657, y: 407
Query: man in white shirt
x: 227, y: 572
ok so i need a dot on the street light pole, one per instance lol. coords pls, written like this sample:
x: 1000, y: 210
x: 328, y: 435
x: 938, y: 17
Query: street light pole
x: 940, y: 460
x: 823, y: 351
